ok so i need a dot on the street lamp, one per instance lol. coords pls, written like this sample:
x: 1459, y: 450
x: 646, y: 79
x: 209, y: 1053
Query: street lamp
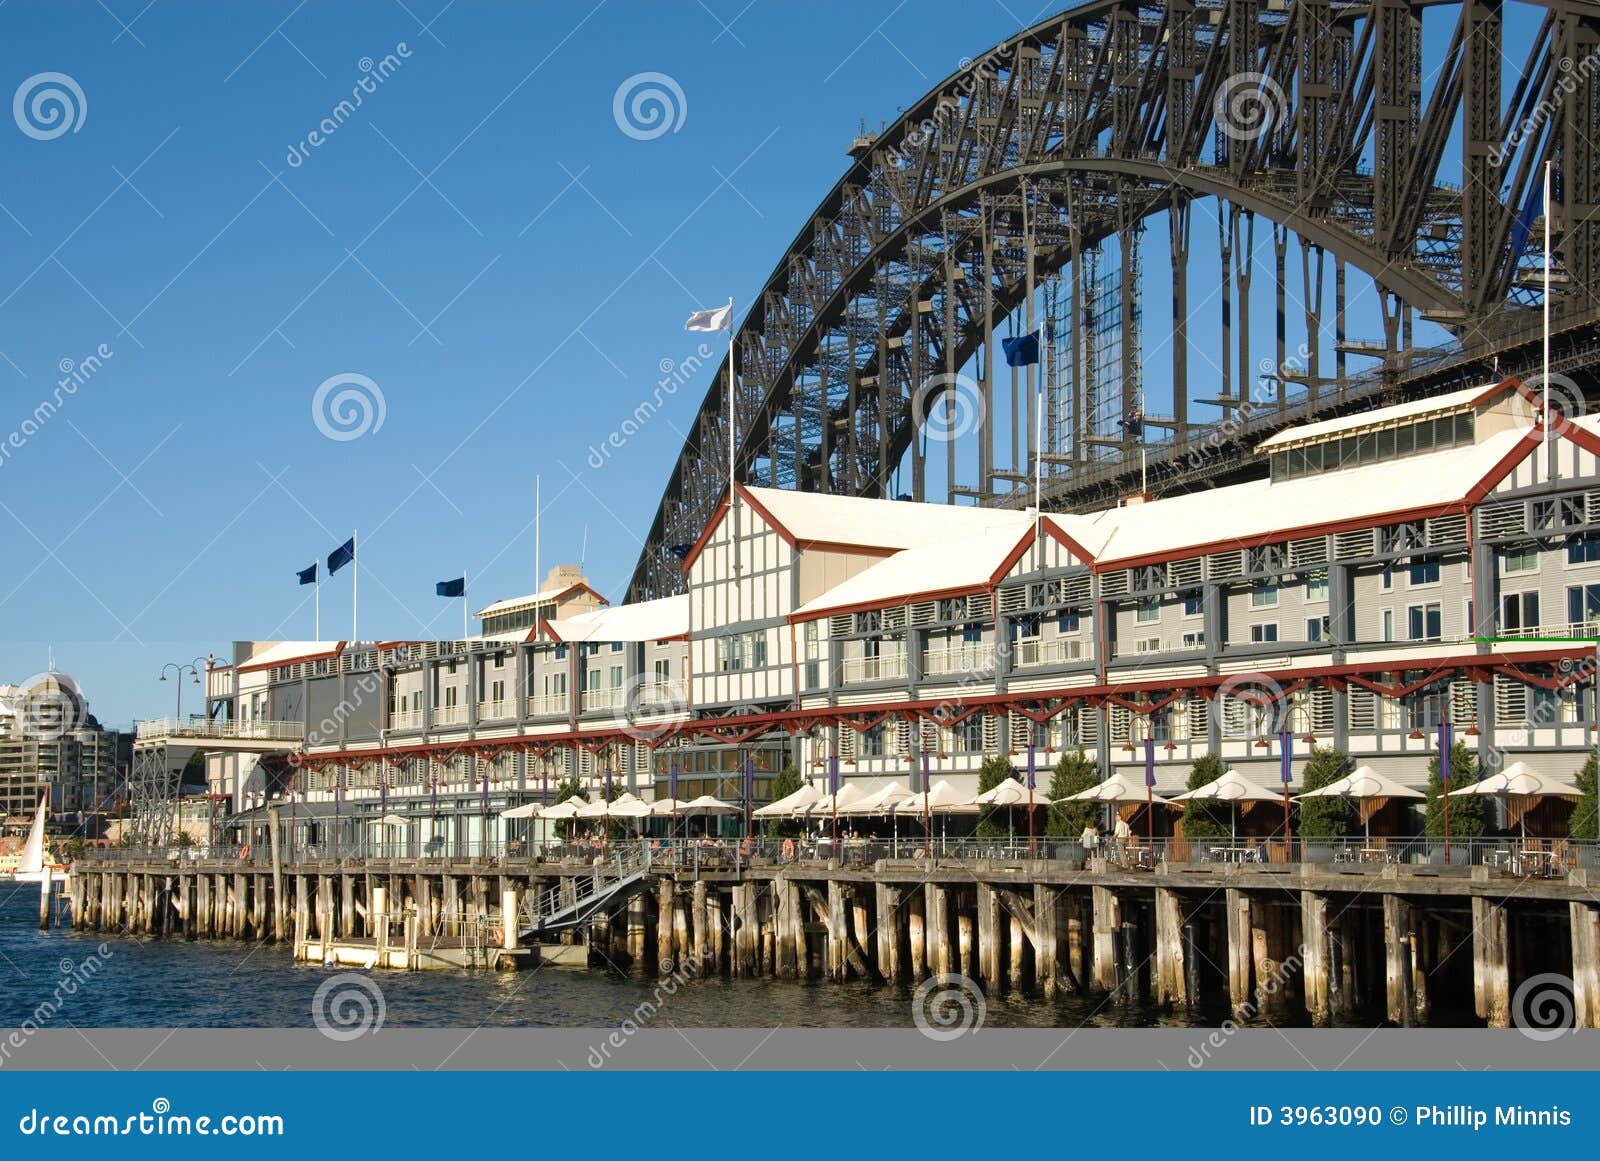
x: 181, y: 670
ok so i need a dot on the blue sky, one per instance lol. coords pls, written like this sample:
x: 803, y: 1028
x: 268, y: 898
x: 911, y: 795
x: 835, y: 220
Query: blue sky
x: 480, y: 240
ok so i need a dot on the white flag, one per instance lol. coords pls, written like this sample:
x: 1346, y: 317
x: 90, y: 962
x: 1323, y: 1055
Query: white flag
x: 710, y: 320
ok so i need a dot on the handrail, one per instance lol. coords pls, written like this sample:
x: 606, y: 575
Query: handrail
x: 256, y: 730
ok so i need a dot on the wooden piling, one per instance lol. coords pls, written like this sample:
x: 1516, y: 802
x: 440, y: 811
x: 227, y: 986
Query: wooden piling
x: 1107, y: 919
x: 1491, y: 983
x: 1171, y: 988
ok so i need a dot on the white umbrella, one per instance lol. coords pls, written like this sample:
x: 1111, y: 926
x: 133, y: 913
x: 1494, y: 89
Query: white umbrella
x: 789, y: 803
x: 830, y: 803
x: 883, y: 801
x: 1010, y: 792
x: 622, y: 806
x: 1232, y: 788
x: 942, y: 798
x: 526, y: 810
x: 706, y: 804
x: 392, y: 820
x: 667, y: 807
x: 1518, y: 781
x: 567, y: 808
x: 1116, y: 789
x: 1366, y: 786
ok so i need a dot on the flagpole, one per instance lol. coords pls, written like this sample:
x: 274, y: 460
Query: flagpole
x: 464, y: 633
x: 538, y: 515
x: 1545, y: 435
x: 1144, y: 482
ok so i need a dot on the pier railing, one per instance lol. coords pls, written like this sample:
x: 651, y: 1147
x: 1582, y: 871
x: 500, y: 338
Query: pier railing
x: 1533, y: 857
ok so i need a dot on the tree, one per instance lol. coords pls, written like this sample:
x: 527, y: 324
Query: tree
x: 1073, y: 773
x: 1585, y: 822
x: 784, y: 784
x: 1325, y: 818
x: 1206, y: 819
x: 568, y: 787
x: 1466, y: 814
x: 994, y: 771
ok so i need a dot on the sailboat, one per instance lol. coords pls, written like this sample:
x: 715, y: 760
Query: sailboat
x: 33, y: 866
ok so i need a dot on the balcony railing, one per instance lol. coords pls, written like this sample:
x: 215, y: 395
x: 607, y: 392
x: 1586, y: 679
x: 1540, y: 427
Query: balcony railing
x: 405, y: 720
x: 449, y: 715
x: 662, y: 693
x: 885, y: 668
x: 1054, y: 652
x: 964, y: 658
x: 258, y: 730
x: 549, y: 705
x: 1569, y: 629
x: 603, y: 699
x: 494, y: 709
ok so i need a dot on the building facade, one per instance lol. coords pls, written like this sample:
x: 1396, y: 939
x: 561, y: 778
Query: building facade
x: 51, y: 743
x: 1436, y: 562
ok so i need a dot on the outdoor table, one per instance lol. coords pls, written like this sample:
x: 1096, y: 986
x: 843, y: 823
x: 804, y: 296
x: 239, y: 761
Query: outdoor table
x: 1234, y: 854
x: 1376, y: 855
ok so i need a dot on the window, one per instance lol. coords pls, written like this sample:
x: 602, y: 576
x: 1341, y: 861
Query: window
x: 1317, y: 586
x: 1583, y: 549
x: 871, y: 742
x: 1424, y: 571
x: 616, y: 677
x: 1523, y: 558
x: 1583, y: 603
x: 1264, y: 595
x: 616, y: 646
x: 1316, y: 628
x: 1386, y: 578
x: 1262, y: 634
x: 1194, y: 640
x: 1424, y: 622
x: 561, y: 652
x: 1519, y: 611
x: 1388, y: 624
x: 756, y: 649
x: 1193, y: 603
x: 663, y: 665
x: 972, y: 634
x: 1025, y: 627
x: 730, y: 653
x: 1147, y: 611
x: 1069, y: 621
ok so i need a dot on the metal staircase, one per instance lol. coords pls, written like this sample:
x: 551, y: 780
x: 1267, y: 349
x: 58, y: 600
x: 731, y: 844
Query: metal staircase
x: 576, y: 902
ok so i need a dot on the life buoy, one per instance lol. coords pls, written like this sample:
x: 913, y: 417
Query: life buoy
x: 788, y: 850
x: 244, y: 852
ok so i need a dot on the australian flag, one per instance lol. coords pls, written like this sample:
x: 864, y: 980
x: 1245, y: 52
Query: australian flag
x: 451, y: 588
x: 1133, y: 423
x: 308, y: 576
x: 341, y: 556
x: 1022, y: 350
x: 1523, y: 226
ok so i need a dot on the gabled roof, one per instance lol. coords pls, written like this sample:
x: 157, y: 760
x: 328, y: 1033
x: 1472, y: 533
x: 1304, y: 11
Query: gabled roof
x: 1384, y: 416
x: 658, y: 620
x: 543, y: 597
x: 843, y: 523
x: 285, y: 652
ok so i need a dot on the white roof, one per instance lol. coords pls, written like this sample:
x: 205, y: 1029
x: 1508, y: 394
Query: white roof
x: 542, y: 597
x: 1416, y: 409
x: 1260, y: 508
x: 642, y: 621
x: 935, y: 568
x: 895, y: 524
x: 282, y: 652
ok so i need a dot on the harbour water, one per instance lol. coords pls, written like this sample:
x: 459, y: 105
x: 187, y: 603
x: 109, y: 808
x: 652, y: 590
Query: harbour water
x: 173, y: 983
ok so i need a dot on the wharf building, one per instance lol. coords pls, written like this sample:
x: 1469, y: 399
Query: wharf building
x: 1436, y: 561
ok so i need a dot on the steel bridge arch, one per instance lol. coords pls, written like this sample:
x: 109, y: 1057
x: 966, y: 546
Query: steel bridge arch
x: 1085, y: 126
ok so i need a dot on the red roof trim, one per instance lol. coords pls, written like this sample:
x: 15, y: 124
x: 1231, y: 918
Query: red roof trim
x: 251, y: 666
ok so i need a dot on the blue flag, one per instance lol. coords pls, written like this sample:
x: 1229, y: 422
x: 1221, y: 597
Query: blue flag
x: 1149, y: 761
x: 308, y: 576
x: 1445, y: 744
x: 833, y: 774
x: 749, y: 781
x: 1286, y: 755
x: 672, y: 781
x: 1021, y: 351
x: 341, y: 556
x: 455, y: 588
x: 1531, y: 209
x: 926, y: 786
x: 1031, y: 768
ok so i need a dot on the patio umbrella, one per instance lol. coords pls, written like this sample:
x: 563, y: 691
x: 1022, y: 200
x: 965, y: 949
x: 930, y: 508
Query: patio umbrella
x: 1118, y: 788
x: 391, y: 820
x: 832, y: 803
x: 789, y: 803
x: 666, y: 807
x: 883, y: 801
x: 1009, y: 793
x: 943, y: 798
x: 1232, y: 788
x: 1519, y: 782
x: 706, y: 804
x: 622, y: 806
x: 1369, y: 788
x: 567, y: 808
x: 527, y: 810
